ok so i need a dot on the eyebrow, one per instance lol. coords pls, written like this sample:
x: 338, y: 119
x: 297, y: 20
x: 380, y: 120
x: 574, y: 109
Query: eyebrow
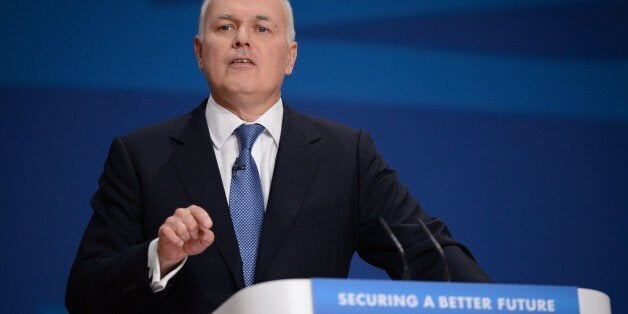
x: 258, y: 17
x: 225, y: 16
x: 262, y: 17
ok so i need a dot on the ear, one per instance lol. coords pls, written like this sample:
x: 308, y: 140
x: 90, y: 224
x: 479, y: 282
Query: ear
x: 293, y: 48
x: 198, y: 51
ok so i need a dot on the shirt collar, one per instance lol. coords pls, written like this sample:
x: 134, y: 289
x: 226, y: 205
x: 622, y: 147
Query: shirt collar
x: 222, y: 122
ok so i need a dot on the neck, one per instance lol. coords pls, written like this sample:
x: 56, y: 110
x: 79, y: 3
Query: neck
x: 246, y: 108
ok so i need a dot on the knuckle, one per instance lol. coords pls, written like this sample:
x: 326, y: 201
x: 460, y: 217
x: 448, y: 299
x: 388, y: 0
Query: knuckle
x: 170, y: 236
x: 199, y: 211
x: 181, y: 228
x: 161, y: 230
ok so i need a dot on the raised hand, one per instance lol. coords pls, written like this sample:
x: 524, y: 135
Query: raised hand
x: 185, y: 233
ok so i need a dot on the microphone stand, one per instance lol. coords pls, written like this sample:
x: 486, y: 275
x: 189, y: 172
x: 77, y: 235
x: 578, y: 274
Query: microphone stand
x: 402, y: 253
x: 405, y: 275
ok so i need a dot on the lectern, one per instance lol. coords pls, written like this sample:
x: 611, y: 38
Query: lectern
x: 308, y: 296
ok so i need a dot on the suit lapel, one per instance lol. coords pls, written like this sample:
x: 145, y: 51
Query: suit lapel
x: 198, y: 170
x: 296, y: 165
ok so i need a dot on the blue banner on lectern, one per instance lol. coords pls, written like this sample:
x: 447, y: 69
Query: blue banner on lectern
x: 385, y: 296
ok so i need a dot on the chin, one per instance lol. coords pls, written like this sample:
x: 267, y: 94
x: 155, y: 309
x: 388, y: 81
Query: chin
x: 243, y: 90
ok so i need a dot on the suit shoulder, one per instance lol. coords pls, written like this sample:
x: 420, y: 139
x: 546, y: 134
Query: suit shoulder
x: 326, y: 126
x: 156, y: 132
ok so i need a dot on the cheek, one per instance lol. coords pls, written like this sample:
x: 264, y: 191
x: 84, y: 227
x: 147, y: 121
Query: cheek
x: 280, y: 59
x: 213, y: 64
x: 213, y: 55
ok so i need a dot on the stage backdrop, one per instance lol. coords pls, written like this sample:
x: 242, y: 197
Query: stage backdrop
x: 508, y: 119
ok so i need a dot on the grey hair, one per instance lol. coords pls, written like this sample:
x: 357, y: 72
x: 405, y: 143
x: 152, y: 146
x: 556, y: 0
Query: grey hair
x: 286, y: 4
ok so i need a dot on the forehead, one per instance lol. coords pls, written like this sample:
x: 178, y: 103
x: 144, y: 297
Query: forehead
x: 247, y: 9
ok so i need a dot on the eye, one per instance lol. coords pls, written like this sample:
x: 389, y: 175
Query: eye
x: 262, y: 29
x: 224, y: 28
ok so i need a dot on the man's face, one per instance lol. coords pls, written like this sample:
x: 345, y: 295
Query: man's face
x: 244, y: 51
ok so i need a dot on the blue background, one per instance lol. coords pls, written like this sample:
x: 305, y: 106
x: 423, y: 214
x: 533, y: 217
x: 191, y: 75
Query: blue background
x: 508, y: 119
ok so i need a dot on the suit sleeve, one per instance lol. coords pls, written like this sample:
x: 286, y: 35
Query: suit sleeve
x: 382, y: 195
x: 110, y: 272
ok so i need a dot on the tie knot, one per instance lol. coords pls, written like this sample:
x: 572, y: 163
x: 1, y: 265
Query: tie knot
x: 247, y: 134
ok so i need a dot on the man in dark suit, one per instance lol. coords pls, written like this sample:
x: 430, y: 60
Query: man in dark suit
x: 244, y: 190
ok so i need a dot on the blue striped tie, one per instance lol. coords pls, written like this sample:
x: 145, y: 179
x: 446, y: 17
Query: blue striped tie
x: 246, y: 201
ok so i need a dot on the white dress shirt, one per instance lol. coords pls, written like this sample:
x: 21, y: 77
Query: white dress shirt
x: 222, y: 124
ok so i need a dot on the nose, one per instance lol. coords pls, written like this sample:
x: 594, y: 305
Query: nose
x: 242, y: 38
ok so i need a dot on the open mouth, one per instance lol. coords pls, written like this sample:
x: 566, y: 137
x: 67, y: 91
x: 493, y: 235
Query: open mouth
x: 242, y: 61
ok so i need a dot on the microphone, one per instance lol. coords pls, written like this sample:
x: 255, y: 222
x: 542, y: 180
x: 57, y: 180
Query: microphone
x: 402, y: 253
x: 237, y: 165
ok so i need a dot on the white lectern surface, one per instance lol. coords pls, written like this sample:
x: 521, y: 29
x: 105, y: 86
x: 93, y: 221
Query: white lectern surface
x: 276, y: 297
x: 299, y: 297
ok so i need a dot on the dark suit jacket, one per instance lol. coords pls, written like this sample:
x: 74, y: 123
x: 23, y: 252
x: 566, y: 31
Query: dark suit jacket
x: 328, y: 189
